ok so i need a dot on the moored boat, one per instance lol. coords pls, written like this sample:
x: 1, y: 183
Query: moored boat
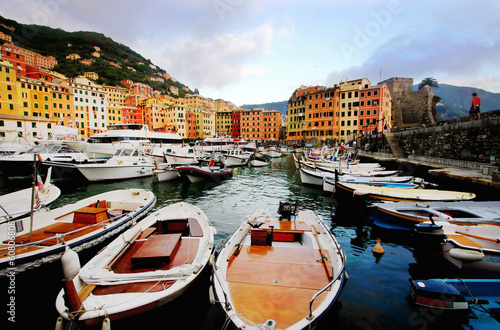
x: 466, y: 303
x: 79, y: 225
x: 147, y: 267
x: 199, y: 173
x: 127, y: 163
x: 166, y: 173
x: 278, y: 272
x: 348, y: 191
x: 472, y: 249
x: 256, y: 161
x: 404, y: 216
x: 329, y: 183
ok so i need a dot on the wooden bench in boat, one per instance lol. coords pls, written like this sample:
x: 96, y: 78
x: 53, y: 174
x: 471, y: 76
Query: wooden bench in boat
x: 189, y: 227
x: 282, y: 231
x: 156, y: 250
x: 90, y: 215
x: 57, y: 228
x: 460, y: 239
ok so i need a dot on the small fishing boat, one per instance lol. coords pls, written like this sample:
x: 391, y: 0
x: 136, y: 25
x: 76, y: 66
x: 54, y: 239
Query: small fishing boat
x: 470, y: 303
x: 316, y: 178
x: 281, y: 272
x: 396, y: 215
x: 181, y: 155
x: 211, y: 173
x: 272, y: 152
x: 256, y: 161
x: 348, y: 191
x: 127, y: 163
x: 148, y: 266
x: 235, y: 157
x: 168, y: 173
x: 473, y: 249
x: 399, y: 181
x: 19, y: 203
x: 42, y: 238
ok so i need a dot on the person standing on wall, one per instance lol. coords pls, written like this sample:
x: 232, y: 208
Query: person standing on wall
x: 474, y: 108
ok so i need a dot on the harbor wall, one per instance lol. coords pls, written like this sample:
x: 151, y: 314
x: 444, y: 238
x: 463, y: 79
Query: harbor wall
x: 471, y: 144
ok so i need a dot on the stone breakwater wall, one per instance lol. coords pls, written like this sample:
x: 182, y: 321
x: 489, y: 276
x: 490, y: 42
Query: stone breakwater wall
x: 469, y: 144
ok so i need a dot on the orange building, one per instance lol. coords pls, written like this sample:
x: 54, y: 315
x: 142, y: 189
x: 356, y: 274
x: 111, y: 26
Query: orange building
x: 271, y: 125
x: 374, y: 109
x: 296, y: 112
x: 251, y: 124
x: 322, y: 114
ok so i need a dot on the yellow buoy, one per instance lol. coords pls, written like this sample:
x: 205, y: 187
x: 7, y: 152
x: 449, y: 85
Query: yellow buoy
x: 378, y: 248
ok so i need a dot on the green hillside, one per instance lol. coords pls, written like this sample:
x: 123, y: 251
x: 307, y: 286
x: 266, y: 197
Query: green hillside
x: 55, y: 42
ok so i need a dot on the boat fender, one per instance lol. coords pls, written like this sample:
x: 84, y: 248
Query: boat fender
x: 59, y: 323
x: 466, y: 255
x: 106, y: 324
x: 70, y: 263
x: 211, y: 295
x: 378, y: 247
x: 270, y: 325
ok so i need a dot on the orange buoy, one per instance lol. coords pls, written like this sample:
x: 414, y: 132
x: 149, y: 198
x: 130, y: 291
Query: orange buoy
x: 378, y: 248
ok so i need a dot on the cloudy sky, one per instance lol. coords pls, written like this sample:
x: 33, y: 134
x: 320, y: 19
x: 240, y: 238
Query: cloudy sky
x: 259, y: 51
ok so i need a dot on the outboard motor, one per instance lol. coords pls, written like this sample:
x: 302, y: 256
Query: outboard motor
x: 427, y: 240
x: 285, y: 210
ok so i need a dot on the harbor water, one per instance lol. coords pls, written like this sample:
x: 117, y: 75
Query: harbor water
x: 375, y: 296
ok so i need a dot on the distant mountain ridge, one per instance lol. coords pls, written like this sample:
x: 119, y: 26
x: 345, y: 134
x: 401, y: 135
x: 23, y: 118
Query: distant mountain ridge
x: 455, y: 101
x: 59, y: 43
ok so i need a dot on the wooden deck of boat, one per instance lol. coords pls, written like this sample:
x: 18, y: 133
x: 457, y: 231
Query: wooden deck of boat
x: 268, y: 282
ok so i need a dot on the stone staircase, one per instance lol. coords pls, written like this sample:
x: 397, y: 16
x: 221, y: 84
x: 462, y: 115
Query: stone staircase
x: 394, y: 144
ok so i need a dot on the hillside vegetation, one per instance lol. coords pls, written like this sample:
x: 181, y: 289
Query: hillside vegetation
x: 59, y: 43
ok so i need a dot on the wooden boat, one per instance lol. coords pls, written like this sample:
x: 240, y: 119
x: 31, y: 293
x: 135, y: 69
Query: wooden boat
x: 278, y: 272
x: 148, y: 266
x: 18, y: 204
x: 329, y: 183
x: 127, y: 163
x: 472, y: 248
x: 396, y: 215
x: 199, y: 173
x: 471, y: 303
x: 181, y: 155
x: 347, y: 191
x: 79, y: 225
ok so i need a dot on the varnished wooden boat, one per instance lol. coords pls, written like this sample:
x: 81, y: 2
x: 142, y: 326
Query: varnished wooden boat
x: 148, y: 266
x: 27, y: 243
x: 347, y: 191
x: 278, y: 272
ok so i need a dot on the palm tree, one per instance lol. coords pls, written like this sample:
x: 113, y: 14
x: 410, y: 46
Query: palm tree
x: 429, y: 81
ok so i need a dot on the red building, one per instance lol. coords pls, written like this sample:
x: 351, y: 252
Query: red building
x: 236, y: 124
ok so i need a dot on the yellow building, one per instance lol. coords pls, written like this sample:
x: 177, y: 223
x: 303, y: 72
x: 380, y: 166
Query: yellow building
x: 33, y: 97
x: 116, y: 95
x: 223, y: 123
x: 176, y: 118
x: 349, y: 107
x: 205, y: 122
x: 155, y: 111
x: 115, y: 114
x: 8, y: 90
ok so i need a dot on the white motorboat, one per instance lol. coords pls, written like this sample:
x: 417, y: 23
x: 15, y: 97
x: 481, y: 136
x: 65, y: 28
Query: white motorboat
x: 259, y: 161
x: 21, y: 164
x: 19, y: 203
x: 168, y: 173
x: 148, y: 266
x: 105, y: 144
x: 278, y: 272
x: 42, y: 238
x: 272, y: 152
x: 127, y: 163
x: 235, y: 157
x: 181, y: 155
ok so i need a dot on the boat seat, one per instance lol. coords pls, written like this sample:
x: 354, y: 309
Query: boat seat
x: 156, y: 250
x: 173, y: 226
x: 90, y: 215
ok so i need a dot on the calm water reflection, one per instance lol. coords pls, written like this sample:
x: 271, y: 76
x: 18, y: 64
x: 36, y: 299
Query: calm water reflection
x: 375, y: 294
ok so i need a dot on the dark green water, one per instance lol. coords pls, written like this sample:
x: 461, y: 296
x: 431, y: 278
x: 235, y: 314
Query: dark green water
x: 373, y: 298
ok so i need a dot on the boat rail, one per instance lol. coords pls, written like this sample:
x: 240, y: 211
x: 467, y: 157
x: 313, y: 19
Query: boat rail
x: 60, y: 236
x: 341, y: 271
x: 216, y: 274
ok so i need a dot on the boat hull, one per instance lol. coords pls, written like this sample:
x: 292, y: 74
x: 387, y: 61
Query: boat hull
x: 49, y: 237
x: 257, y: 279
x: 115, y: 172
x: 197, y: 173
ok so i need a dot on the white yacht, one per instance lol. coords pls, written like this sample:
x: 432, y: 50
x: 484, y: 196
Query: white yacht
x: 103, y: 145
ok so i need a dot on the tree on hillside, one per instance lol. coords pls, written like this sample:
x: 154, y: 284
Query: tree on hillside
x: 429, y: 81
